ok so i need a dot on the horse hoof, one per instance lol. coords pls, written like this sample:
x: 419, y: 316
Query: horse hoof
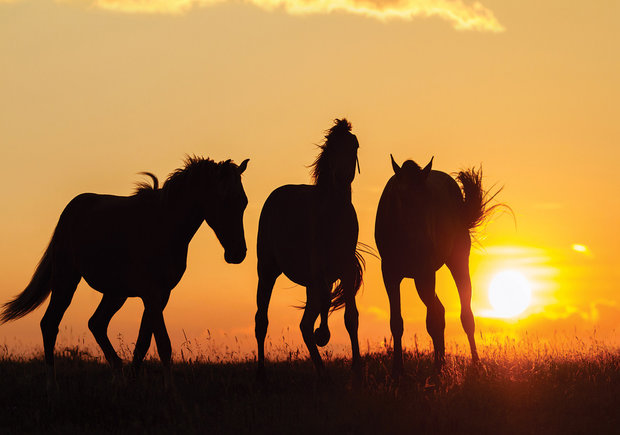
x: 321, y: 336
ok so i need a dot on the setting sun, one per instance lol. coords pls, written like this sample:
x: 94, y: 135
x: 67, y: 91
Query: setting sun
x: 510, y: 293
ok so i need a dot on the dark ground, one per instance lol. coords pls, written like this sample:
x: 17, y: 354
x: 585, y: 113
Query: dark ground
x: 508, y: 393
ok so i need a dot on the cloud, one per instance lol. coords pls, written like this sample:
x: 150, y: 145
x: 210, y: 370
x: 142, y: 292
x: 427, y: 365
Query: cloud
x: 151, y: 6
x: 460, y: 14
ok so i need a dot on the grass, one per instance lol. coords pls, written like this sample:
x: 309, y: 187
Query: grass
x: 520, y: 387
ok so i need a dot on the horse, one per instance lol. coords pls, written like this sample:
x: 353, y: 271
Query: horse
x: 309, y: 233
x: 425, y: 220
x: 134, y: 246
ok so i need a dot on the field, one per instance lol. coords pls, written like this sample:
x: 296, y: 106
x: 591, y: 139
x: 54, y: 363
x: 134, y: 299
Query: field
x: 518, y: 388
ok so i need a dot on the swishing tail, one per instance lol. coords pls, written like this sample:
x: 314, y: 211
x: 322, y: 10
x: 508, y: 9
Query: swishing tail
x: 35, y: 294
x: 477, y: 200
x: 338, y: 295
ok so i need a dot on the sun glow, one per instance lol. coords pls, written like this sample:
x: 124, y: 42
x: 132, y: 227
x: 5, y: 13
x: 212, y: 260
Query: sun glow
x: 510, y: 293
x: 580, y: 248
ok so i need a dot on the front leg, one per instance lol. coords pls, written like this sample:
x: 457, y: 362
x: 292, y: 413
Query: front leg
x: 164, y: 348
x: 392, y: 282
x: 311, y: 312
x: 142, y: 343
x: 153, y: 324
x: 351, y: 321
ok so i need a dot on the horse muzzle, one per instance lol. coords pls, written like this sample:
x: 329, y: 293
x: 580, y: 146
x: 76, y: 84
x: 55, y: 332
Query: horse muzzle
x: 235, y: 257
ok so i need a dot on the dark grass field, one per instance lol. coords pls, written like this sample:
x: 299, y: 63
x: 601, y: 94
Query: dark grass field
x: 510, y: 392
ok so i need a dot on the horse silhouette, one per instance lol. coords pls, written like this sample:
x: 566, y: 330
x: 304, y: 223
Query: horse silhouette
x: 424, y: 221
x: 309, y: 233
x: 134, y: 246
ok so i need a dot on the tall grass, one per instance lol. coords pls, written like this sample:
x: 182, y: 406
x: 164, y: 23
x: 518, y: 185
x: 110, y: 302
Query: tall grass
x: 563, y: 385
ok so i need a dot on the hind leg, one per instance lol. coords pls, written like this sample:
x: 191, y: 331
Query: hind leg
x: 311, y: 312
x: 266, y: 279
x: 459, y: 267
x: 62, y: 293
x: 435, y: 314
x: 98, y: 325
x: 392, y: 282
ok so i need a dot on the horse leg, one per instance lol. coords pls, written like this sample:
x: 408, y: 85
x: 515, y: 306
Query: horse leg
x: 311, y: 312
x: 164, y: 348
x: 98, y: 325
x: 62, y: 293
x: 266, y: 281
x: 459, y: 267
x: 142, y: 343
x: 144, y: 338
x: 351, y: 322
x: 392, y: 281
x: 435, y: 314
x: 322, y: 334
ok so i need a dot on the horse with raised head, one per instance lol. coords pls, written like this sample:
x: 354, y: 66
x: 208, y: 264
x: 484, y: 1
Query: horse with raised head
x: 134, y: 246
x: 424, y: 221
x: 309, y: 233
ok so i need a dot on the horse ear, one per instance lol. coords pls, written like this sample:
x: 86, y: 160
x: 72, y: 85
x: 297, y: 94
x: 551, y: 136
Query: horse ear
x: 395, y: 165
x: 243, y: 166
x: 427, y: 169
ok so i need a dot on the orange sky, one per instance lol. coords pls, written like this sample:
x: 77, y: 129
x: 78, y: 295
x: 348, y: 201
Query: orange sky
x: 95, y: 91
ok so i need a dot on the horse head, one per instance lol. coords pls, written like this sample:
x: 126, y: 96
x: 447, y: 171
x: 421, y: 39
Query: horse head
x: 225, y: 214
x: 410, y: 177
x: 338, y: 159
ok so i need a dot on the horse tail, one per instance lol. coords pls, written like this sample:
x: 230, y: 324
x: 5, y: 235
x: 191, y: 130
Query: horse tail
x: 35, y: 294
x: 340, y: 292
x: 476, y: 199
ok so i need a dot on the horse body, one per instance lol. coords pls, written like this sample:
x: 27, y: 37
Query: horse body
x: 134, y: 246
x: 439, y: 219
x: 423, y: 222
x: 309, y: 233
x: 128, y: 254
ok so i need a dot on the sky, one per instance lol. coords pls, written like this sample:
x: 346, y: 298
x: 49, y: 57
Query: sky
x: 93, y: 92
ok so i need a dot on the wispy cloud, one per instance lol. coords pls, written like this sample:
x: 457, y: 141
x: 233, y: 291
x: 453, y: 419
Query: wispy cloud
x: 462, y: 15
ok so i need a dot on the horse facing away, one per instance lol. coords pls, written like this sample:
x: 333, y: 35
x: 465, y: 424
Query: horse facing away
x: 309, y: 233
x: 423, y: 222
x: 134, y: 246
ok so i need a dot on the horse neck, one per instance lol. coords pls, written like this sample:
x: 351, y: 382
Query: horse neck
x: 334, y: 192
x: 185, y: 216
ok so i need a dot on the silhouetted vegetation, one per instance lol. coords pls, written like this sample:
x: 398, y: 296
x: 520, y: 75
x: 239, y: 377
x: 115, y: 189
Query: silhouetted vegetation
x: 515, y: 389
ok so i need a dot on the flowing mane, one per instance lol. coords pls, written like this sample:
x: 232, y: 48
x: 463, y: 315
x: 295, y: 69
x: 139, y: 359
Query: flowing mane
x: 192, y: 165
x: 320, y: 166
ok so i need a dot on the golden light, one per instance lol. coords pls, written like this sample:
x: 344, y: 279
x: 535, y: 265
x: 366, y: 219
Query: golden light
x: 580, y: 248
x: 510, y: 293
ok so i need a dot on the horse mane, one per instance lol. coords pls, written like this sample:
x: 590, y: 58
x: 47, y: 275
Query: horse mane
x: 320, y: 167
x: 145, y: 186
x: 192, y: 165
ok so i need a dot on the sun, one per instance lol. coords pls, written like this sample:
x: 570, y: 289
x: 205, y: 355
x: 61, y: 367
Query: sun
x: 510, y: 293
